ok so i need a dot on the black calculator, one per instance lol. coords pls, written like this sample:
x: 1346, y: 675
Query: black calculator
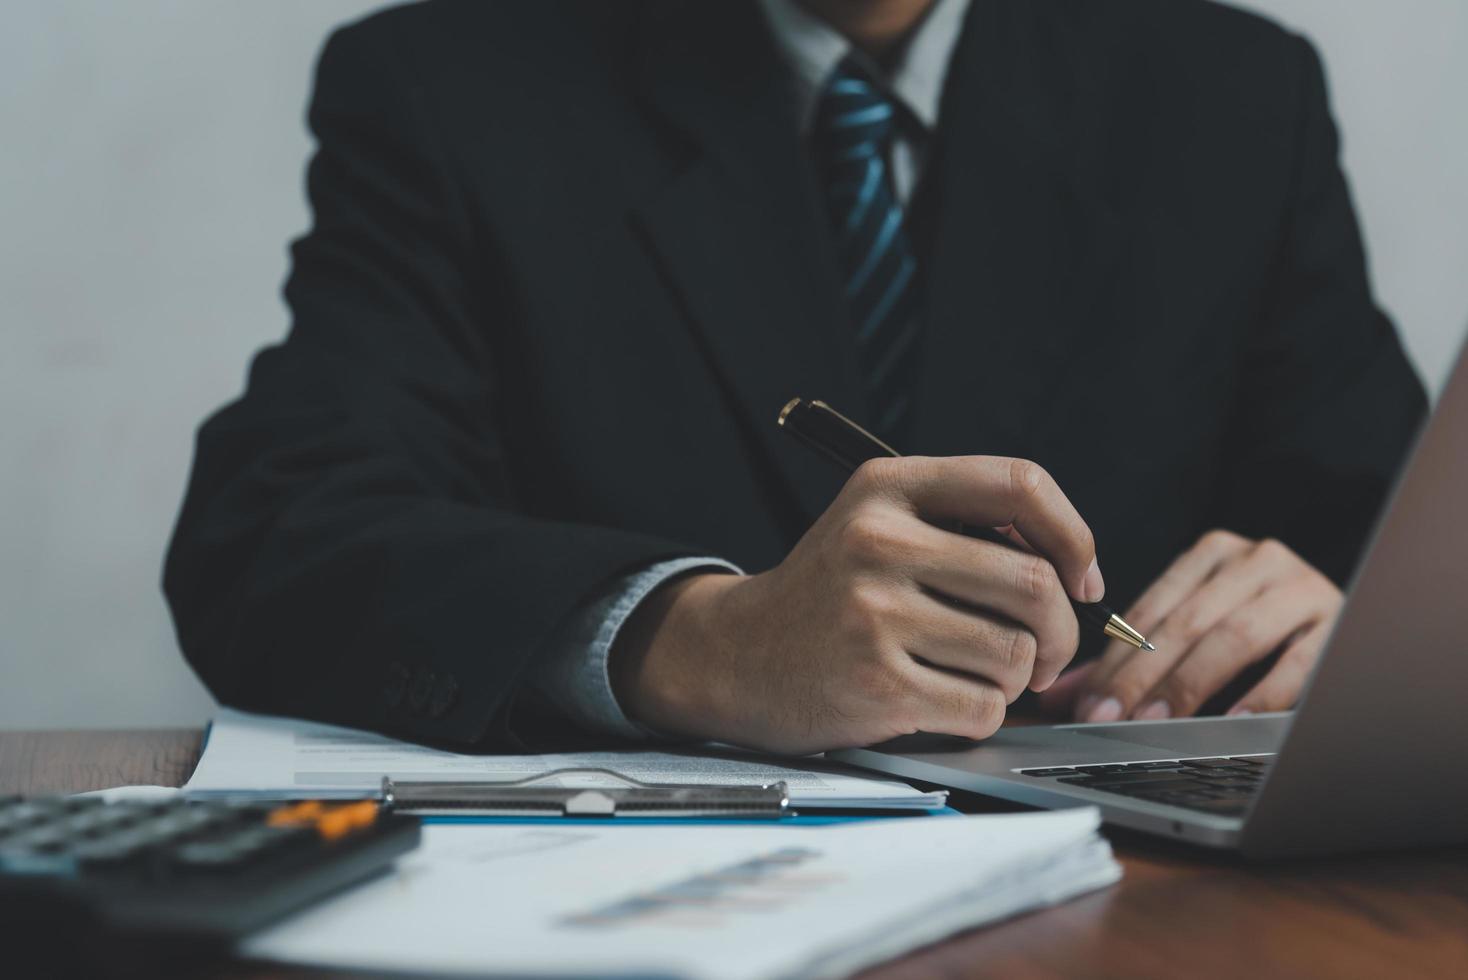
x: 128, y: 888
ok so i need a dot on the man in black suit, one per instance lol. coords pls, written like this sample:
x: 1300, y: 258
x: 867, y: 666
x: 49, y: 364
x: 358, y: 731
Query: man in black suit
x: 514, y: 474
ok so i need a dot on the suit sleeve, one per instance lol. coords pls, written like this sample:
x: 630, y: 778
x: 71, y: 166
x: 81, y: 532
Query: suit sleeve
x: 350, y: 548
x: 1327, y: 403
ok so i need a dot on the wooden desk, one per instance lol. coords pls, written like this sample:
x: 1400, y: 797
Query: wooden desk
x: 1177, y: 912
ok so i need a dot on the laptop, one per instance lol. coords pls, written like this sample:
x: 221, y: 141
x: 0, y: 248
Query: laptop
x: 1374, y: 756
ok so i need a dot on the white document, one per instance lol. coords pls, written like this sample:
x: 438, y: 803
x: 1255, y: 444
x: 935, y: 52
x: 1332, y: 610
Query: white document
x: 711, y: 902
x: 259, y: 753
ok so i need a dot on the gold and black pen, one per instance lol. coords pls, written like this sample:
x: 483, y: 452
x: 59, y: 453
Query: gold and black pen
x: 848, y: 445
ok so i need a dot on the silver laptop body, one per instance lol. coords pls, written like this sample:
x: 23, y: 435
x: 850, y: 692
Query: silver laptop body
x: 1374, y: 756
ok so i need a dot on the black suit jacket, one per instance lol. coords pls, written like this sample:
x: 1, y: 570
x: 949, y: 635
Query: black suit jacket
x: 569, y: 260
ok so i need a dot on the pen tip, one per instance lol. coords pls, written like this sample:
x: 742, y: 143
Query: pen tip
x: 1147, y: 645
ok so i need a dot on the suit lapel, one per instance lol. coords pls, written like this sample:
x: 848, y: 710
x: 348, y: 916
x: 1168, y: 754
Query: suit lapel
x: 738, y: 231
x: 1021, y: 241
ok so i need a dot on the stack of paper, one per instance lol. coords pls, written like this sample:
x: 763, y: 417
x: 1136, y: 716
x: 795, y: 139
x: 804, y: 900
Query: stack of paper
x: 256, y: 753
x: 710, y: 902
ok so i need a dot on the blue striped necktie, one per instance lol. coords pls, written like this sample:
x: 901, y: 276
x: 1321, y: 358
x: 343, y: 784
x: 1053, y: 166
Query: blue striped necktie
x: 853, y: 134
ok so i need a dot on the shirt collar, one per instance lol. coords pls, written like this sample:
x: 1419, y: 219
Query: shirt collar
x: 814, y: 49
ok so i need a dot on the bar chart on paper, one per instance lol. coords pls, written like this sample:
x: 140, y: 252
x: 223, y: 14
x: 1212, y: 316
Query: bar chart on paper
x: 765, y: 883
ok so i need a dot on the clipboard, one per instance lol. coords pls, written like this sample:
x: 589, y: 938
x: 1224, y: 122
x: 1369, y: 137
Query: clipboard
x: 634, y: 799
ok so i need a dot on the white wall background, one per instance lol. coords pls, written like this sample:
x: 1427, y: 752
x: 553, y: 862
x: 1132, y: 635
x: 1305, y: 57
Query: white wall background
x: 151, y: 158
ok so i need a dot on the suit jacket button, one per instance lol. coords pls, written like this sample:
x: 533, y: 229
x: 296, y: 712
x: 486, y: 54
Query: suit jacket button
x: 445, y: 692
x: 396, y: 685
x: 421, y: 689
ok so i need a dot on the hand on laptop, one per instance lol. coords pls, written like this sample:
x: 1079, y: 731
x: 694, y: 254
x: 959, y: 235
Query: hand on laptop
x: 875, y: 624
x: 1226, y: 603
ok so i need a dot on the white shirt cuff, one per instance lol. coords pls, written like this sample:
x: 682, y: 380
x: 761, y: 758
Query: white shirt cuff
x: 573, y: 673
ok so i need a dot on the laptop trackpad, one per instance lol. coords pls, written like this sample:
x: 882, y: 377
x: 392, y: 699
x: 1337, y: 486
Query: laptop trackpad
x: 1196, y: 736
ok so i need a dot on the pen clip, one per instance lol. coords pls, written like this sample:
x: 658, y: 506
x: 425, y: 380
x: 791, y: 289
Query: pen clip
x: 831, y: 434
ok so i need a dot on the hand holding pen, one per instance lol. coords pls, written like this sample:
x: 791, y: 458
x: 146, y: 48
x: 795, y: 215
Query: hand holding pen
x: 848, y: 445
x: 879, y: 622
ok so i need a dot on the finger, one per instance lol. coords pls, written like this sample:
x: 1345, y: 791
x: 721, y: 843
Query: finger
x: 1182, y: 578
x: 1012, y: 534
x: 1280, y: 689
x: 1185, y: 576
x: 952, y: 704
x: 992, y: 491
x: 1229, y: 589
x: 1061, y: 696
x: 969, y: 642
x: 1249, y: 633
x: 1010, y: 583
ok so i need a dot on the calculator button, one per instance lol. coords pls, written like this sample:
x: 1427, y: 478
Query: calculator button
x: 180, y: 822
x: 41, y: 850
x: 24, y: 861
x: 123, y: 849
x: 26, y: 814
x: 344, y: 819
x: 295, y: 813
x: 260, y: 841
x: 91, y: 823
x: 207, y: 856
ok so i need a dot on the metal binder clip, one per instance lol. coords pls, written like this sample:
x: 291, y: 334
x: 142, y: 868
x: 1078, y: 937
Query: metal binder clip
x: 531, y: 798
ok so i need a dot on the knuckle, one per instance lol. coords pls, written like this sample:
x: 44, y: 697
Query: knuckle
x: 1273, y: 550
x: 1036, y: 580
x: 1026, y: 478
x: 1023, y: 648
x: 1188, y: 626
x: 1220, y: 541
x: 988, y: 714
x: 878, y: 680
x: 891, y: 700
x: 1015, y: 663
x: 871, y: 607
x: 879, y: 474
x: 869, y: 537
x: 1238, y: 633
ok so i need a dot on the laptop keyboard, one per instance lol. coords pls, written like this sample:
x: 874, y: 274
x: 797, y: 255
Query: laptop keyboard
x: 1221, y: 786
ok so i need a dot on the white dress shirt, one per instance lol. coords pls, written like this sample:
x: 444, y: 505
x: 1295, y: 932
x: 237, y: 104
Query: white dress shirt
x: 813, y: 49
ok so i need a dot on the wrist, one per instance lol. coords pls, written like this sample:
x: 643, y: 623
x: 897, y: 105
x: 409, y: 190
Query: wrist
x: 667, y: 668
